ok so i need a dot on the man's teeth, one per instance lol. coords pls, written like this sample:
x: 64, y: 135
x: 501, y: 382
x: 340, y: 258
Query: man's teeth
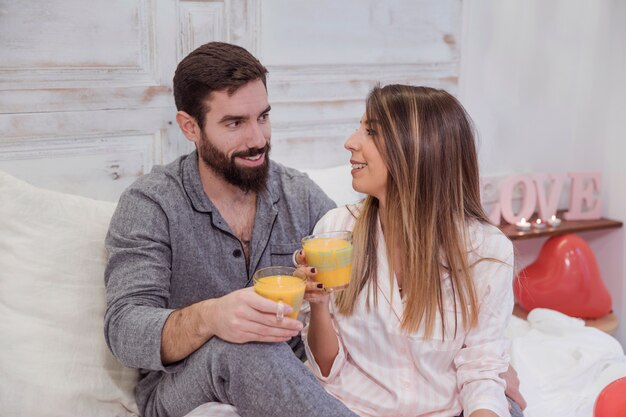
x: 253, y: 158
x: 358, y: 166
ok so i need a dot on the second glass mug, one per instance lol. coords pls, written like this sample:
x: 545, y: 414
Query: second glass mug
x: 283, y: 285
x: 331, y: 255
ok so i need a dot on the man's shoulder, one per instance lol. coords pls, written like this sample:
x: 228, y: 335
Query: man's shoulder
x: 297, y: 192
x: 159, y: 181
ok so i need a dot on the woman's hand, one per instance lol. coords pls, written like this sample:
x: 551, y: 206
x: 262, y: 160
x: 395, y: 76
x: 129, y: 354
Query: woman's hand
x: 315, y: 293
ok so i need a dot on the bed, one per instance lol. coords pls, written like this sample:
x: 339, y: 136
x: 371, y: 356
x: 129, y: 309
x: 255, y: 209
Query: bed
x: 55, y: 362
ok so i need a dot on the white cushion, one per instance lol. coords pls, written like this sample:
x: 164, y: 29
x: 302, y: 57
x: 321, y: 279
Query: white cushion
x: 336, y: 182
x: 53, y: 357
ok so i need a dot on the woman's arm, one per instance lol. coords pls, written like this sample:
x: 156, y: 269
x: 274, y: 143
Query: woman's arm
x: 322, y: 343
x: 322, y: 338
x: 485, y: 352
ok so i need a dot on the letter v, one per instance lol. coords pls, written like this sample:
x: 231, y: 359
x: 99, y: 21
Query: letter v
x: 549, y: 205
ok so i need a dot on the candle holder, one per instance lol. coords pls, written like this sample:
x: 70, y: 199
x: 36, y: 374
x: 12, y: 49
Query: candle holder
x: 539, y: 225
x: 554, y: 221
x: 522, y: 225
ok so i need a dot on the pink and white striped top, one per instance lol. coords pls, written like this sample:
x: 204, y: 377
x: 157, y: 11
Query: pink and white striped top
x: 382, y: 371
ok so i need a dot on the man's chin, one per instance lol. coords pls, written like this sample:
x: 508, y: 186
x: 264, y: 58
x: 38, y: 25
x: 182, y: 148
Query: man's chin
x: 250, y: 179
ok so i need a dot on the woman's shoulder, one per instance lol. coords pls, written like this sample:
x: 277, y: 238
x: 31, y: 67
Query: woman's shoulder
x: 340, y: 218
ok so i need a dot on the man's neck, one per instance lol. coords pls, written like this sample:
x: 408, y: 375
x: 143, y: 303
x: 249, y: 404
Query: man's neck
x: 236, y: 206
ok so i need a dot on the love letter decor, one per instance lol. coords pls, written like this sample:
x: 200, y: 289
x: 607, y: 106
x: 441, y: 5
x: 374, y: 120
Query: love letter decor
x: 542, y: 192
x: 564, y: 277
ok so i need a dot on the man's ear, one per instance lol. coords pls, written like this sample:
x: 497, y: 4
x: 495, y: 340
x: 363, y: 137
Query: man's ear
x: 189, y: 126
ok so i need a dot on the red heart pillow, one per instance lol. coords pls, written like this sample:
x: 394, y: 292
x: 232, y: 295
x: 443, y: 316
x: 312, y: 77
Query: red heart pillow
x: 564, y: 277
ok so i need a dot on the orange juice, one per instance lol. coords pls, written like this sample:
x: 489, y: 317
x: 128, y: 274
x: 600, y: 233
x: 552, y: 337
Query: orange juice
x: 288, y: 289
x: 332, y: 258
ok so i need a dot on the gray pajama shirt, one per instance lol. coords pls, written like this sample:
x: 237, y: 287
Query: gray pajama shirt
x: 169, y: 247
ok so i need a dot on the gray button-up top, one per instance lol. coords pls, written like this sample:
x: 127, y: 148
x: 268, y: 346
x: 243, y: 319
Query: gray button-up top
x: 169, y: 247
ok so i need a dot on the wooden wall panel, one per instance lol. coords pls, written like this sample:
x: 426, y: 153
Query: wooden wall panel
x: 87, y: 85
x: 325, y: 56
x: 86, y: 100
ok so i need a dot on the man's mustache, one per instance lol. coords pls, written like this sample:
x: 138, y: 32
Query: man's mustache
x: 250, y: 152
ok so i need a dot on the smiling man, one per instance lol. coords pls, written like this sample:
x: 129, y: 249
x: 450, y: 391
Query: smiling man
x: 185, y: 241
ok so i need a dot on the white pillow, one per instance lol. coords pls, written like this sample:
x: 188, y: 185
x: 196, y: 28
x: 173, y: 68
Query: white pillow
x: 336, y: 182
x: 53, y: 357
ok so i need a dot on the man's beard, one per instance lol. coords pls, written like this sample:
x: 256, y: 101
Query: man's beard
x: 248, y: 179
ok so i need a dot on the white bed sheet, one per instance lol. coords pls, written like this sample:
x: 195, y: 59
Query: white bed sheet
x: 562, y: 364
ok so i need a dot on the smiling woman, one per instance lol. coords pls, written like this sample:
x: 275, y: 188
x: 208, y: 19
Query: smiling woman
x: 437, y: 347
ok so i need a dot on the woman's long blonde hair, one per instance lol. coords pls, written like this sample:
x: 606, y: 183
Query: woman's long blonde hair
x: 426, y: 139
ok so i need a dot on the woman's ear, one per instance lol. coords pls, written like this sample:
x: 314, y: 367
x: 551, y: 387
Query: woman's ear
x: 189, y: 126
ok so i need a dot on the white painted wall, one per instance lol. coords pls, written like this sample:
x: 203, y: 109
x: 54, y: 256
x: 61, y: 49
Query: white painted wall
x: 325, y: 55
x: 545, y: 83
x: 86, y: 106
x: 85, y: 87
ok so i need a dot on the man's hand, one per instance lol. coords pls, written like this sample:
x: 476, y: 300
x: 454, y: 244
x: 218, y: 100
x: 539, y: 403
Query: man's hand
x: 512, y: 387
x: 244, y: 316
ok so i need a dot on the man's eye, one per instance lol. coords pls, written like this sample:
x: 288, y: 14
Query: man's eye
x: 234, y: 124
x: 265, y: 116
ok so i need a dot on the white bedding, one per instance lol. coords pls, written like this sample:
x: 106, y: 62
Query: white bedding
x: 562, y: 364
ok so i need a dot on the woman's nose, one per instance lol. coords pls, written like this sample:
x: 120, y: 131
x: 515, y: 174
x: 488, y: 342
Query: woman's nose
x: 352, y: 141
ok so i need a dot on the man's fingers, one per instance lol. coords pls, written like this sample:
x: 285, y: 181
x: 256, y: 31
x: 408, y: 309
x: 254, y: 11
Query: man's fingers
x: 521, y: 402
x: 270, y: 321
x: 512, y: 386
x: 264, y: 305
x: 269, y: 315
x: 262, y: 333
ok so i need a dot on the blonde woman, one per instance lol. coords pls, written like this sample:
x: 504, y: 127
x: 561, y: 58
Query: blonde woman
x: 420, y: 331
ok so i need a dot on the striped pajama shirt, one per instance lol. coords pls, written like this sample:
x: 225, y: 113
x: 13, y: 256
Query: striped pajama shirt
x: 381, y: 370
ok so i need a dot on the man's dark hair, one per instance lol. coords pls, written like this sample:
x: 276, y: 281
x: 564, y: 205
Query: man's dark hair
x: 214, y: 66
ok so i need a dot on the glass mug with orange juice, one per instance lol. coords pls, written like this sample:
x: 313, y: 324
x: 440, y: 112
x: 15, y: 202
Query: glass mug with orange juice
x: 331, y: 255
x: 279, y: 283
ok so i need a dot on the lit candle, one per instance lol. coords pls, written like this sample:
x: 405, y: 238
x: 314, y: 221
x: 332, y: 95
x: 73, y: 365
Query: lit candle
x: 522, y: 225
x: 554, y: 221
x: 539, y: 225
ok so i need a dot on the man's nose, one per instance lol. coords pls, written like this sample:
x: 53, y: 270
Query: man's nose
x: 256, y: 135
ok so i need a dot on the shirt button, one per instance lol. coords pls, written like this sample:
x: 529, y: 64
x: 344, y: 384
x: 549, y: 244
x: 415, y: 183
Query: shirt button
x: 237, y: 253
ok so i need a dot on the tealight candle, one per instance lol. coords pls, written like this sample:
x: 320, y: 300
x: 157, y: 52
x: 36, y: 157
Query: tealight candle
x: 522, y: 225
x: 554, y: 221
x: 539, y: 225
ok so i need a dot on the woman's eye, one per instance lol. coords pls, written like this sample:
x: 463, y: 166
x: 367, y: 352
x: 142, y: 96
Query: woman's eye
x: 370, y: 132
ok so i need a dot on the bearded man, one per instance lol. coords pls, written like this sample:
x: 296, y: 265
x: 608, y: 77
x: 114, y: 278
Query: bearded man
x: 184, y: 244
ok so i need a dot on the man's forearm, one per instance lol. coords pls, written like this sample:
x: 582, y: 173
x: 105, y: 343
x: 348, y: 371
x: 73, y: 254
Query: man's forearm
x: 185, y: 330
